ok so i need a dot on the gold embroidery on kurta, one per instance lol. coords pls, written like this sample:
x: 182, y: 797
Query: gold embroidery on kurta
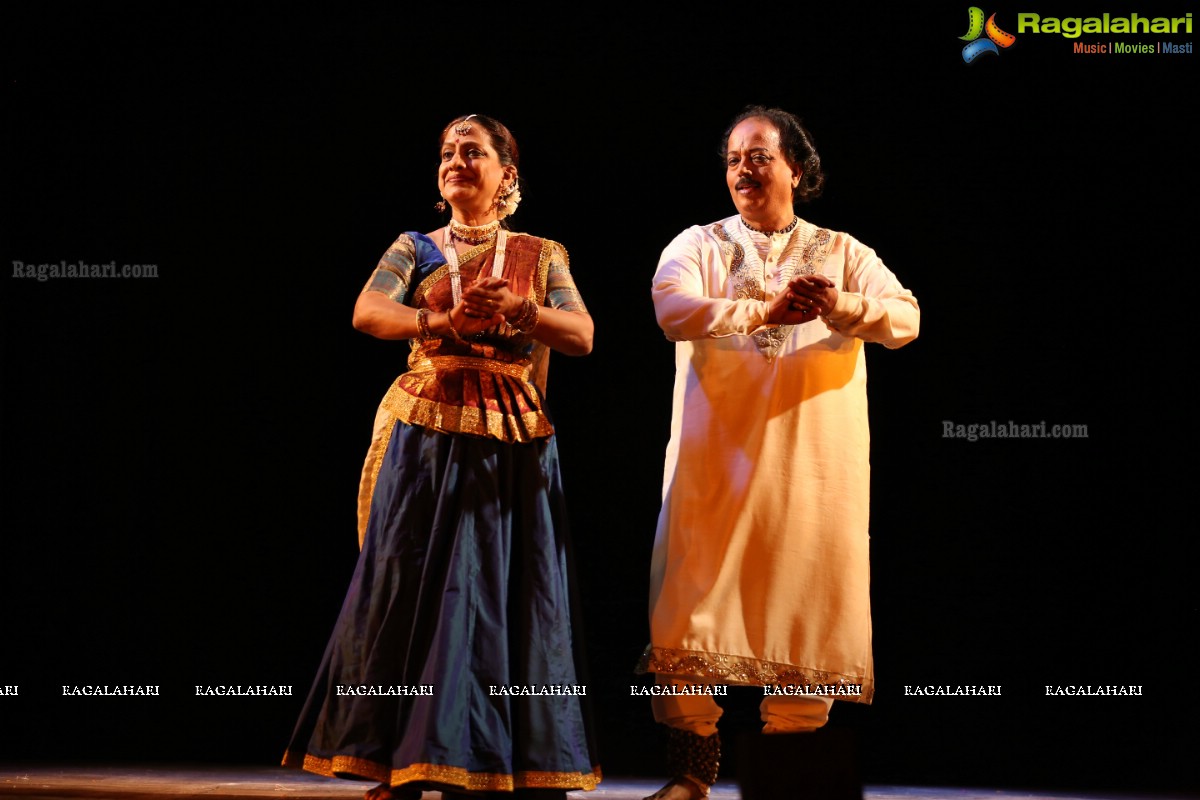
x: 749, y: 283
x: 743, y: 671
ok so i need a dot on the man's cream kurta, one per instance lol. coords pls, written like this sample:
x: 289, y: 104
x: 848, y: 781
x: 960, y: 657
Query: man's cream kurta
x: 760, y: 571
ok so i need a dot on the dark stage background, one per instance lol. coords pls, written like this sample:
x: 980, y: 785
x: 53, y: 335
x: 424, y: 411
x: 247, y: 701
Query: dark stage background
x: 181, y: 453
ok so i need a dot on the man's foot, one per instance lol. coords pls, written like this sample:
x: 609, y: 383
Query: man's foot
x: 680, y: 789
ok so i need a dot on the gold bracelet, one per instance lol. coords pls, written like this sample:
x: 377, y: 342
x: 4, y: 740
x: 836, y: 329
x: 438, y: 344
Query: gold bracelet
x: 453, y: 331
x: 528, y: 318
x: 537, y: 316
x: 423, y: 331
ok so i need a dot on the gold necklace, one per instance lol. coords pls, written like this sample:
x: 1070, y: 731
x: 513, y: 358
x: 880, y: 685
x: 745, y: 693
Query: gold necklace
x: 473, y: 234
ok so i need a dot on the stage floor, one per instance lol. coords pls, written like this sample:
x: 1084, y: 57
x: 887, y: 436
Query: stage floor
x: 159, y: 782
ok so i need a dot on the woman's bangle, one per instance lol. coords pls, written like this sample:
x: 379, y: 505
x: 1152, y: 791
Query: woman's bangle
x: 423, y: 331
x: 527, y: 319
x: 453, y: 330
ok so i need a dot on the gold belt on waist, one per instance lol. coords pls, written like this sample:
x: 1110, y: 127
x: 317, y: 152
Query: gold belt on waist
x: 437, y: 363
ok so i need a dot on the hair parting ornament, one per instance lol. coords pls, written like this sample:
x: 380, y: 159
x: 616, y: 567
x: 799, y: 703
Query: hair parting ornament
x: 464, y: 127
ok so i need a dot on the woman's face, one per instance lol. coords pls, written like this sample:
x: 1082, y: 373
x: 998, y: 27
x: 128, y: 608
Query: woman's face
x: 470, y: 174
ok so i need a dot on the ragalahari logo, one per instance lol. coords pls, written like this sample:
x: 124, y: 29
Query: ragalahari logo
x: 976, y: 27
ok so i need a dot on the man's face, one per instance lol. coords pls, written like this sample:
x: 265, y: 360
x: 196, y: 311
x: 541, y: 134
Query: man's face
x: 760, y: 179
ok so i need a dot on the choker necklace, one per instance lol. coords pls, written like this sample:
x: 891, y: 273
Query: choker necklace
x: 788, y: 229
x: 473, y: 235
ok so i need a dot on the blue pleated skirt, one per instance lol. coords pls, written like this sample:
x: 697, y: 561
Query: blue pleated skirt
x: 456, y: 660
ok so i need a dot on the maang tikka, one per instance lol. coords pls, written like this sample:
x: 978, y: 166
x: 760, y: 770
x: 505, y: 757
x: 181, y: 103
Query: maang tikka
x: 464, y: 127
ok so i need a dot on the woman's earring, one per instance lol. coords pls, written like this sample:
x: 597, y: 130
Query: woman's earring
x: 507, y: 199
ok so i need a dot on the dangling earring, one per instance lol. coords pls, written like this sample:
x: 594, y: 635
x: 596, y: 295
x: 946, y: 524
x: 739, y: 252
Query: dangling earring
x: 440, y: 205
x: 502, y: 197
x: 507, y: 199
